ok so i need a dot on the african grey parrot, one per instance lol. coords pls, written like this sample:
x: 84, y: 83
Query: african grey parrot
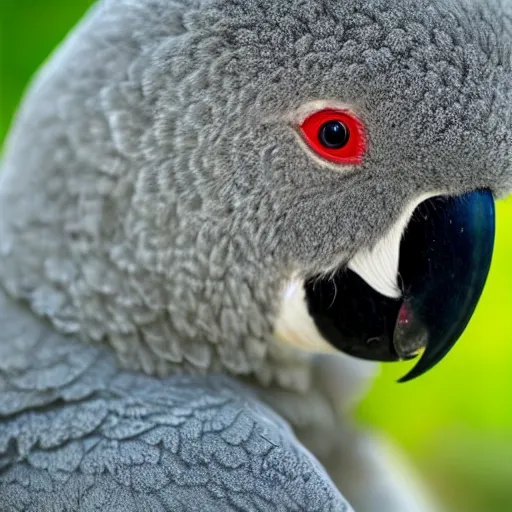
x: 202, y: 204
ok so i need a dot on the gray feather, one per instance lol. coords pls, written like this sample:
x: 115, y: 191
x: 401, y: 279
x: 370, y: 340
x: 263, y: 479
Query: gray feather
x: 78, y: 434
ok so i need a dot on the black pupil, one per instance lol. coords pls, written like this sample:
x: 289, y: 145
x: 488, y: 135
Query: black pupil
x: 334, y: 134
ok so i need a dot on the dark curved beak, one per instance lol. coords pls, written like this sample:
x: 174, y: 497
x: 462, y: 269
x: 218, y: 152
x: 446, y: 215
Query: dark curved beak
x: 445, y: 257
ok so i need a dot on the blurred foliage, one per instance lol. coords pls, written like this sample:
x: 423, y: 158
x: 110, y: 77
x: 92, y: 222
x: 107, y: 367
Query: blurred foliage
x: 455, y: 422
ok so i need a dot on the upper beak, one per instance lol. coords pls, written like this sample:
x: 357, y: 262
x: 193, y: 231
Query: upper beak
x: 454, y: 242
x: 445, y: 256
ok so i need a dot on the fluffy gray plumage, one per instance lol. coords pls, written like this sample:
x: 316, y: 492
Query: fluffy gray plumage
x: 154, y: 200
x: 78, y: 434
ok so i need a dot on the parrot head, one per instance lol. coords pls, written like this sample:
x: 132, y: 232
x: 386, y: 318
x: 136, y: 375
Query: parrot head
x: 236, y: 175
x: 376, y: 135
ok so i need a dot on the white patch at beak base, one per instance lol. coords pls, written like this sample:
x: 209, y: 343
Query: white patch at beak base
x: 378, y: 266
x: 294, y: 324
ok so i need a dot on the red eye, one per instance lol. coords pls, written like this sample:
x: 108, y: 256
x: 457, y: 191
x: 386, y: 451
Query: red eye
x: 336, y: 135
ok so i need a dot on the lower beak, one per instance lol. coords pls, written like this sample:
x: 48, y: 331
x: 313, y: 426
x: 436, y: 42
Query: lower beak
x: 445, y: 256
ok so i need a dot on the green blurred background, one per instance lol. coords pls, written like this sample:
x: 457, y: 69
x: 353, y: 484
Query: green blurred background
x: 455, y: 423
